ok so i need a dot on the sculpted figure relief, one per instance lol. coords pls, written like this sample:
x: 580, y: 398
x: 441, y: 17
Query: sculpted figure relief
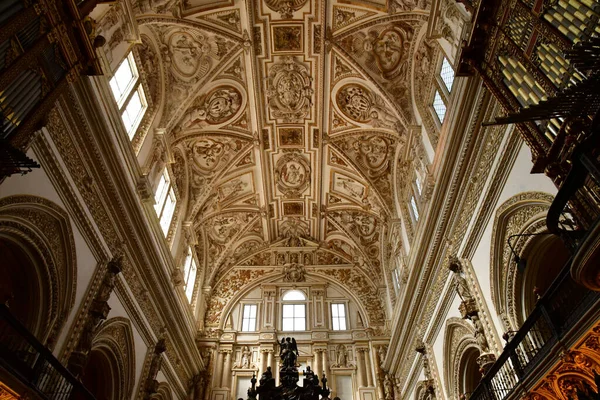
x: 361, y: 105
x: 246, y: 357
x: 341, y: 356
x: 215, y: 108
x: 292, y: 174
x: 293, y: 272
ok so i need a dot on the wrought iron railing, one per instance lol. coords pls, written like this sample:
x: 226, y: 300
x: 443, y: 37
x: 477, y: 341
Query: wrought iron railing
x: 27, y: 360
x: 555, y: 314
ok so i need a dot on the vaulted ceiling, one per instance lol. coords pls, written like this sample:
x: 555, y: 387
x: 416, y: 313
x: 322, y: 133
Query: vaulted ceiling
x: 290, y: 126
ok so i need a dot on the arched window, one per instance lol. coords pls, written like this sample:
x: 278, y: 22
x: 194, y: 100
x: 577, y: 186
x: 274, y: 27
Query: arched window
x: 293, y: 311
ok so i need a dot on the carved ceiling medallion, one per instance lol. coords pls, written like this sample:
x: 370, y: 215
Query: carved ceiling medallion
x: 207, y: 153
x: 361, y: 105
x: 289, y: 90
x: 186, y: 53
x: 217, y: 107
x: 292, y: 174
x: 285, y: 7
x: 387, y: 50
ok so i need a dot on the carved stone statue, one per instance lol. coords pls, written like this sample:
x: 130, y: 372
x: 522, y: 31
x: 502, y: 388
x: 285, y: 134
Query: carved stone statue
x: 480, y: 334
x: 381, y: 352
x: 462, y: 286
x: 246, y: 357
x: 388, y: 387
x: 293, y: 272
x: 341, y: 356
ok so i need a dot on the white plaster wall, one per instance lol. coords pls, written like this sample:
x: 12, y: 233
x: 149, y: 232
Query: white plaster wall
x: 37, y: 183
x: 141, y: 349
x: 438, y: 344
x: 519, y: 180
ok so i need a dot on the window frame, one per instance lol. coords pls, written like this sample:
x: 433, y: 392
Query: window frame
x: 243, y: 317
x: 169, y: 192
x: 439, y: 87
x: 414, y: 208
x: 189, y: 260
x: 303, y: 303
x: 342, y: 318
x: 132, y: 87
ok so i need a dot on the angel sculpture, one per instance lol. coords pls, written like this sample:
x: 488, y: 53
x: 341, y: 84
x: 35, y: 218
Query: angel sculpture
x: 288, y: 352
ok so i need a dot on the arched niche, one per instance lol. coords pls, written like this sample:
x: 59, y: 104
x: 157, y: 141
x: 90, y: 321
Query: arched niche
x: 460, y: 358
x: 163, y: 392
x: 358, y: 316
x: 39, y: 264
x: 544, y: 257
x: 522, y: 214
x: 110, y: 371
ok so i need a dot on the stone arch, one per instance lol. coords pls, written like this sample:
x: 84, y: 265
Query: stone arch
x: 163, y: 392
x: 460, y: 353
x: 522, y: 213
x: 36, y: 233
x: 240, y: 282
x: 113, y: 354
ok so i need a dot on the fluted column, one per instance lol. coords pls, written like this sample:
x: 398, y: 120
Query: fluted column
x: 360, y: 364
x: 226, y: 377
x: 218, y: 370
x: 270, y: 362
x: 262, y: 366
x: 368, y: 368
x: 324, y: 367
x: 318, y: 366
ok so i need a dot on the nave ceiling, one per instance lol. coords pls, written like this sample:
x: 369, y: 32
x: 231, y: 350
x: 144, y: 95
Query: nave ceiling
x: 291, y: 128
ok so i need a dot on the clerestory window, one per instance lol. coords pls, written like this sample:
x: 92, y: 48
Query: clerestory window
x: 249, y: 318
x: 189, y: 274
x: 293, y: 311
x: 129, y: 94
x: 164, y: 201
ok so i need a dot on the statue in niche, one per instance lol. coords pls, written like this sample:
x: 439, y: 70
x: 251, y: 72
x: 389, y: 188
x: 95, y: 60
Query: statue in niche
x: 341, y: 356
x: 388, y: 387
x: 293, y: 272
x: 246, y: 358
x: 381, y: 351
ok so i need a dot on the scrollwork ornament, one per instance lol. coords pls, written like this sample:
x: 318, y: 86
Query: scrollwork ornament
x: 289, y: 91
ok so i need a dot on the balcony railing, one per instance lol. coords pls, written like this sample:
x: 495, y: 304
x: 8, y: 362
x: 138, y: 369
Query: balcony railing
x: 565, y: 303
x: 27, y: 360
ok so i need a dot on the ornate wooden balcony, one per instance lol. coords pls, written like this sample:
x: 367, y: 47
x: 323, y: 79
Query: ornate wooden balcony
x: 29, y: 365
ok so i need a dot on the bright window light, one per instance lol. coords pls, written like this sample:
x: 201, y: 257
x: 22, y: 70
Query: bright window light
x: 168, y: 210
x: 249, y: 318
x: 123, y: 80
x: 293, y: 295
x: 294, y: 317
x: 165, y: 201
x: 447, y: 74
x: 189, y: 275
x: 338, y: 316
x: 439, y: 106
x: 415, y: 210
x: 418, y: 184
x: 161, y: 191
x: 134, y: 111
